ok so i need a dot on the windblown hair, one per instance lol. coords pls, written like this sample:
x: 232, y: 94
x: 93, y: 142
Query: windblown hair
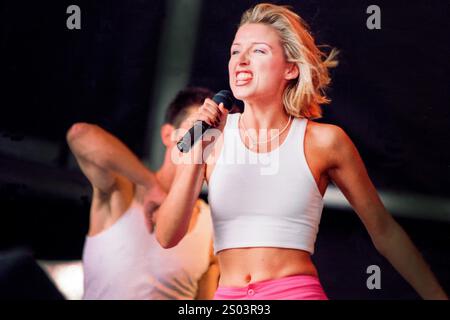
x: 304, y: 95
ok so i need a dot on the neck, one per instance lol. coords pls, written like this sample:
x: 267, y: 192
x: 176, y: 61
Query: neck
x: 264, y: 116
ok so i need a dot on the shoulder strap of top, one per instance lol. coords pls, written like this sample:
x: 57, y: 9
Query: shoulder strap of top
x: 294, y: 136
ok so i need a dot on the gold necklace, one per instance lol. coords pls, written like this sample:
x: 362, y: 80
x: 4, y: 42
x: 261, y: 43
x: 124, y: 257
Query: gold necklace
x: 261, y: 142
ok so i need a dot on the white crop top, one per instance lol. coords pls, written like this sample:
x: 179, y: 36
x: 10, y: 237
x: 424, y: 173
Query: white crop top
x: 264, y: 199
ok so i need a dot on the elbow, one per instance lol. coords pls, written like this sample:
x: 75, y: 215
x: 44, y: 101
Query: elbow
x: 76, y: 131
x: 166, y: 241
x: 166, y: 245
x: 85, y: 141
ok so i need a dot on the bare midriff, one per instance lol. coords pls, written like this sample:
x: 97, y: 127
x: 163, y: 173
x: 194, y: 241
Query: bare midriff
x: 242, y: 266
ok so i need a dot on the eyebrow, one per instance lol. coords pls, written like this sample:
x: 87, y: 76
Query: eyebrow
x: 265, y: 43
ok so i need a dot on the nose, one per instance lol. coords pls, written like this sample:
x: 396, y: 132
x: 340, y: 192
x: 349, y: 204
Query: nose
x: 243, y: 58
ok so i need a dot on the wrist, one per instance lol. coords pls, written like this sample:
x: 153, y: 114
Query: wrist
x: 435, y: 294
x: 194, y: 157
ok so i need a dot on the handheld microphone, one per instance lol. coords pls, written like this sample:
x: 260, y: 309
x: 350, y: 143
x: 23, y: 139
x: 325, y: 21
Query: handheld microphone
x: 200, y: 127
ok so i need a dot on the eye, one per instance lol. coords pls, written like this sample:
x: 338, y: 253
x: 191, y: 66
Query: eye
x: 259, y: 51
x: 234, y: 52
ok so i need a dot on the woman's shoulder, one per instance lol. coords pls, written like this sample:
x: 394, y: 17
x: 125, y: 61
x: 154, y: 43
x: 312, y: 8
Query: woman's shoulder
x: 327, y: 142
x: 324, y: 134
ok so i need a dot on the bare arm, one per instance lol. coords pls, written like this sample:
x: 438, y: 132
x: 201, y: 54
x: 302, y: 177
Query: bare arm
x: 102, y: 157
x: 347, y: 170
x: 174, y: 215
x: 175, y: 212
x: 207, y: 285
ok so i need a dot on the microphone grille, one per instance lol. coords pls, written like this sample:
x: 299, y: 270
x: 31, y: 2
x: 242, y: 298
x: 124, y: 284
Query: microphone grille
x: 225, y: 97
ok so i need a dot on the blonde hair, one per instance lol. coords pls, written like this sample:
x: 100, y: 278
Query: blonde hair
x: 303, y: 96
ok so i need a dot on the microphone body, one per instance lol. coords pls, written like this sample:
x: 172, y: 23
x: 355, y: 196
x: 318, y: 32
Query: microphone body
x: 200, y: 127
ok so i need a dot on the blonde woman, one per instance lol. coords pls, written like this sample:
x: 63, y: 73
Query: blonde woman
x: 266, y: 224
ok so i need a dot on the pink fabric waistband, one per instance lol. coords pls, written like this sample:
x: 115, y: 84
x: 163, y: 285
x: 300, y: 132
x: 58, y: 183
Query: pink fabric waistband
x: 296, y: 287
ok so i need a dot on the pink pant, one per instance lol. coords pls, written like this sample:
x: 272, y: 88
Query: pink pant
x: 296, y: 287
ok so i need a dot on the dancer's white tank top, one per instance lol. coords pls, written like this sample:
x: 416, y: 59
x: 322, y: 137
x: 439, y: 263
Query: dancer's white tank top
x: 126, y: 262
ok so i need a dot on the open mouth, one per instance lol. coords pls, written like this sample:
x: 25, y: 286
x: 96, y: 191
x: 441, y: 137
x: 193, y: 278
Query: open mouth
x: 243, y: 77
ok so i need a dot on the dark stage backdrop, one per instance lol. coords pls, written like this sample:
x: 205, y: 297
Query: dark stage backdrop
x: 52, y: 76
x: 390, y: 93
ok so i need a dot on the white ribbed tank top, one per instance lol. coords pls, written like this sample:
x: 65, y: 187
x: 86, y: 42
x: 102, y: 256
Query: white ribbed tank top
x: 126, y: 262
x: 264, y: 199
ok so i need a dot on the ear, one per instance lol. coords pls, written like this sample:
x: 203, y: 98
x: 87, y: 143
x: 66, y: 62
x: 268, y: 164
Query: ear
x: 292, y: 71
x: 166, y: 134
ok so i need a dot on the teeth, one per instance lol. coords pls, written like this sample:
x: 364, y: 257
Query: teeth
x: 243, y: 76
